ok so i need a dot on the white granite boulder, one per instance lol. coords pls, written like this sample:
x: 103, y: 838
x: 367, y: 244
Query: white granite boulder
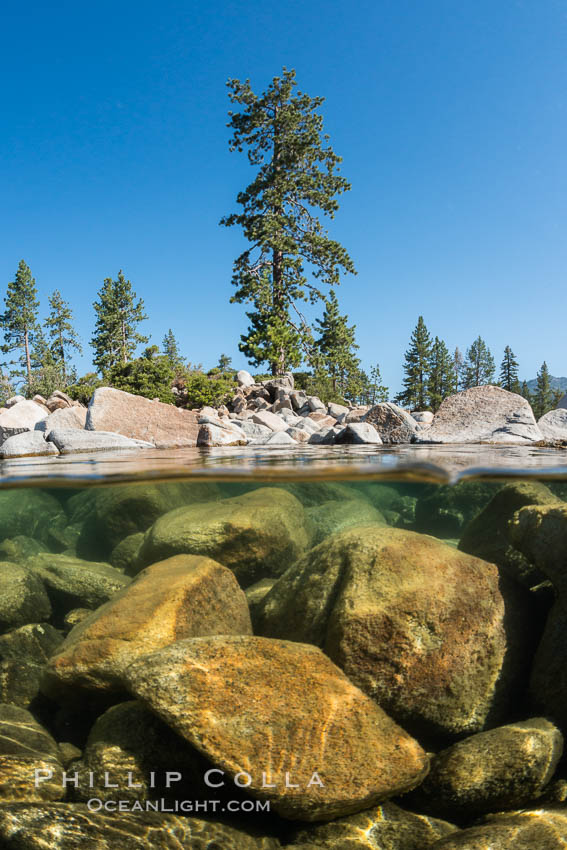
x: 553, y: 425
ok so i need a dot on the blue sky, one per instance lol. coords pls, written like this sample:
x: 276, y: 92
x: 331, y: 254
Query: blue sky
x: 451, y: 118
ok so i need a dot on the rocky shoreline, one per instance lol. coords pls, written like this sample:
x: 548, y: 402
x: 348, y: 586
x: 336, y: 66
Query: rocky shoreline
x: 271, y: 414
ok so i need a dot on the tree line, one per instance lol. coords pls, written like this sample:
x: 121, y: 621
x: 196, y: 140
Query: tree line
x: 432, y: 373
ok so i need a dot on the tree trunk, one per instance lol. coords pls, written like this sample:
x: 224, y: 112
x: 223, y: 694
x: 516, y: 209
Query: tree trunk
x: 278, y: 366
x: 124, y: 360
x: 62, y: 355
x: 28, y: 359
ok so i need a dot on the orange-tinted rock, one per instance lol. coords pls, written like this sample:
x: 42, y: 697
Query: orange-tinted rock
x: 181, y: 597
x: 280, y: 714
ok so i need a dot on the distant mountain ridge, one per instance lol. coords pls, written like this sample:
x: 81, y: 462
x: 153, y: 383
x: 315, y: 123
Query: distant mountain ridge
x: 556, y: 384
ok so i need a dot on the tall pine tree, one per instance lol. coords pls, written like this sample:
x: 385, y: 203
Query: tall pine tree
x: 119, y: 313
x: 171, y: 350
x: 458, y: 369
x: 337, y: 346
x: 509, y: 372
x: 417, y: 366
x: 441, y: 381
x: 479, y: 365
x: 62, y: 334
x: 543, y: 399
x: 282, y: 131
x: 20, y: 319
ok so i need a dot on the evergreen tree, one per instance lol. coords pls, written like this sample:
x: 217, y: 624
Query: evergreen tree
x: 20, y: 319
x: 509, y: 372
x: 525, y: 392
x: 47, y: 368
x: 150, y: 375
x: 417, y: 367
x: 170, y: 348
x: 543, y: 397
x: 118, y: 314
x: 337, y: 345
x: 441, y: 380
x: 458, y: 370
x: 225, y: 362
x: 62, y: 333
x: 479, y: 365
x: 282, y: 131
x: 377, y: 392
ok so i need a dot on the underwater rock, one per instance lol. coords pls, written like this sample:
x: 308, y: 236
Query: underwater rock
x: 66, y: 826
x: 23, y: 598
x: 540, y: 829
x: 25, y: 748
x: 393, y: 423
x: 256, y: 593
x: 333, y: 516
x: 540, y: 533
x: 277, y: 713
x: 126, y: 509
x: 129, y: 743
x: 504, y: 768
x: 486, y: 414
x: 74, y: 617
x: 27, y: 444
x: 417, y: 625
x: 18, y: 549
x: 358, y: 432
x: 71, y: 441
x: 181, y: 597
x: 386, y: 826
x: 30, y: 512
x: 73, y: 583
x: 164, y: 425
x: 23, y: 654
x: 125, y: 554
x: 257, y: 534
x: 487, y: 535
x: 444, y: 511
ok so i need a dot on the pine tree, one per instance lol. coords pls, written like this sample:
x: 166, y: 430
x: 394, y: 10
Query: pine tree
x: 458, y: 370
x: 479, y: 365
x: 225, y: 363
x: 171, y: 350
x: 509, y: 372
x: 282, y: 131
x: 62, y: 333
x: 441, y: 381
x: 47, y: 368
x: 525, y: 392
x: 20, y: 319
x: 118, y: 314
x: 337, y: 346
x: 543, y: 397
x: 417, y: 367
x: 377, y: 392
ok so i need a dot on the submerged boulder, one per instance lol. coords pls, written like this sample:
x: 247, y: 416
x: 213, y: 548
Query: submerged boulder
x: 282, y: 718
x: 333, y: 516
x: 23, y: 654
x: 26, y: 747
x: 257, y: 534
x: 65, y: 826
x: 539, y: 829
x: 422, y: 628
x: 385, y: 827
x: 74, y: 583
x: 180, y: 597
x: 486, y: 414
x: 504, y: 768
x: 30, y: 512
x: 488, y: 535
x: 23, y: 598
